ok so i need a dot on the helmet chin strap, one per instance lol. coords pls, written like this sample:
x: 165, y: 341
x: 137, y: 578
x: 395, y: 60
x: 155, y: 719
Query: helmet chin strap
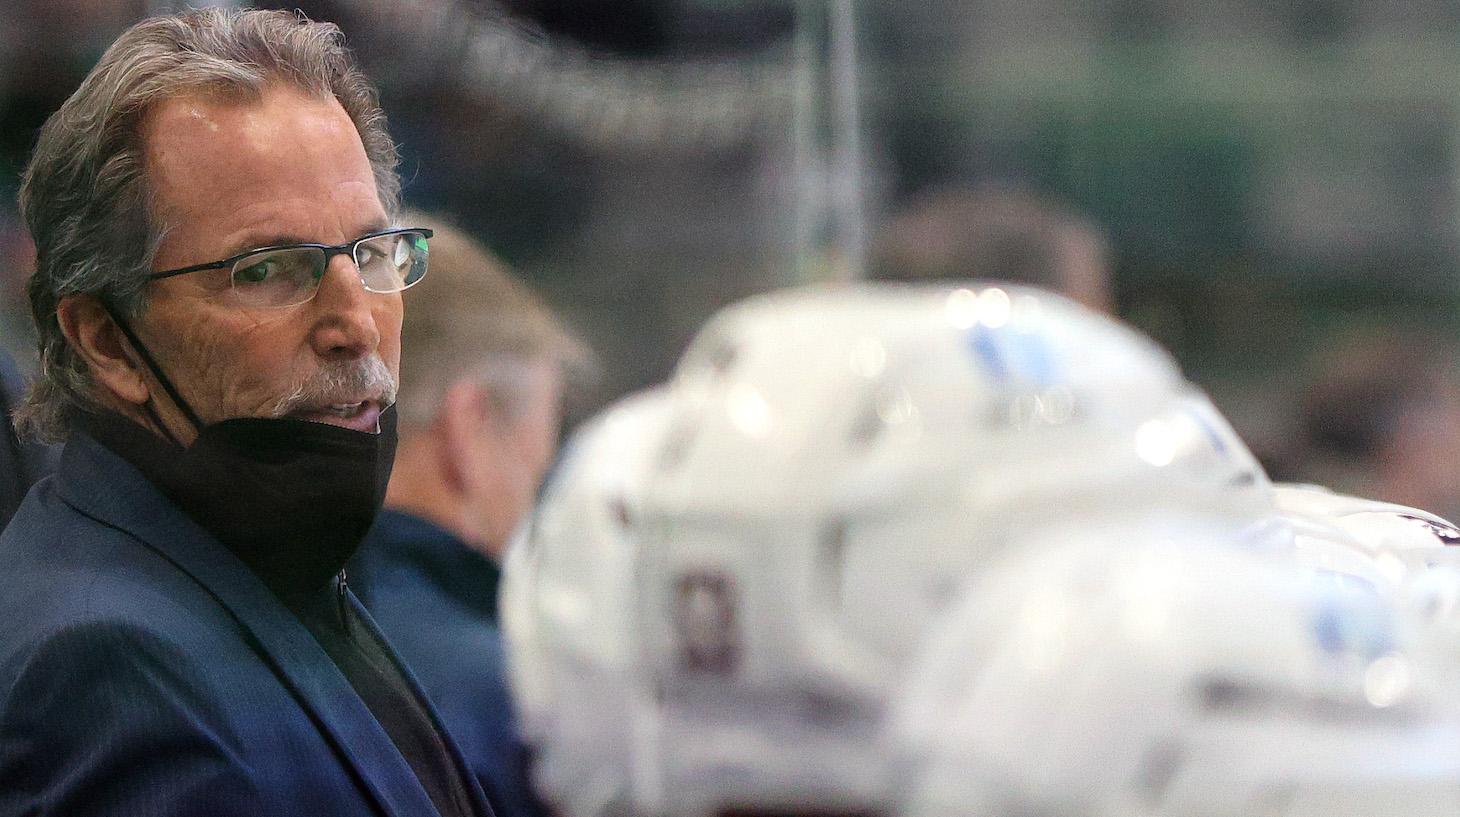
x: 151, y: 364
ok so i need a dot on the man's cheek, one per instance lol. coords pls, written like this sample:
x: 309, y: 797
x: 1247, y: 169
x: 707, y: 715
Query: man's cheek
x: 259, y: 320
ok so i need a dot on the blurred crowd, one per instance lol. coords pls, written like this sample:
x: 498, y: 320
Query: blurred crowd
x: 603, y: 151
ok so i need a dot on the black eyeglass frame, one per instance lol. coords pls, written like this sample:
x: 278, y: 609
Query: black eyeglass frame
x: 330, y: 251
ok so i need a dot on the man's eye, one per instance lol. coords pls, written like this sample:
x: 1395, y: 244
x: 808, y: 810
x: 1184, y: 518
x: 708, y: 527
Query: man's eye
x: 368, y: 254
x: 256, y: 273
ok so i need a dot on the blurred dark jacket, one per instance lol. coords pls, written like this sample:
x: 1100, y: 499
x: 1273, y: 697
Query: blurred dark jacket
x: 21, y: 462
x: 435, y: 598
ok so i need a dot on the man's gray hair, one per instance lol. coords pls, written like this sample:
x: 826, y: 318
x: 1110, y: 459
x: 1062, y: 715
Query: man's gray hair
x: 85, y: 195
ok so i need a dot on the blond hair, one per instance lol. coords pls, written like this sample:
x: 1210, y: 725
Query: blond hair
x: 469, y: 317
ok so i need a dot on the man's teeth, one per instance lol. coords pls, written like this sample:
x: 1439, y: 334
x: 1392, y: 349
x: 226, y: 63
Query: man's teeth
x: 344, y: 409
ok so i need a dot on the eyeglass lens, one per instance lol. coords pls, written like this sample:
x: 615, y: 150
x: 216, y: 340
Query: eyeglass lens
x: 390, y: 263
x: 288, y: 276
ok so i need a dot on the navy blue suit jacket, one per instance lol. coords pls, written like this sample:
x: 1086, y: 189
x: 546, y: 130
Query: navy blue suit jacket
x: 145, y: 670
x: 436, y: 599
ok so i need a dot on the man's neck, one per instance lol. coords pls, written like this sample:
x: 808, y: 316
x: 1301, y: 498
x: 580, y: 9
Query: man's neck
x: 420, y: 486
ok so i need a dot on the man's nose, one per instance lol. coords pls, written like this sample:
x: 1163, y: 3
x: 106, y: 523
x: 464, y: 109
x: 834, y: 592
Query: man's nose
x: 344, y: 327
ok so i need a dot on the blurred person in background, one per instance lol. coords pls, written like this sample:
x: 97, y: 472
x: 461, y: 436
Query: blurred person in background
x: 1381, y: 419
x: 992, y: 233
x: 218, y: 313
x: 23, y: 461
x: 485, y: 367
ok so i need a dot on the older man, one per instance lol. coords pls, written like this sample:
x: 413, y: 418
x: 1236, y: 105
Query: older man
x: 216, y: 298
x: 484, y: 368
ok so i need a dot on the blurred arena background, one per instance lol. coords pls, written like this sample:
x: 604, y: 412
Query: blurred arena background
x: 1276, y: 182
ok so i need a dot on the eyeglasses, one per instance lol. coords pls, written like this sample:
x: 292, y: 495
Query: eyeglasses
x: 389, y: 261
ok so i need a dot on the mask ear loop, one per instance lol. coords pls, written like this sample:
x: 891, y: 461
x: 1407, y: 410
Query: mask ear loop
x: 156, y: 370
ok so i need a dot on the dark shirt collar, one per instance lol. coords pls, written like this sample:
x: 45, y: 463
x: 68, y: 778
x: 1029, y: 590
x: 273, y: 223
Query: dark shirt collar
x: 467, y: 575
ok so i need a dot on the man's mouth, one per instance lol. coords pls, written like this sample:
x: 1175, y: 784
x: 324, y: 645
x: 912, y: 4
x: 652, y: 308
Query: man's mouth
x: 363, y: 415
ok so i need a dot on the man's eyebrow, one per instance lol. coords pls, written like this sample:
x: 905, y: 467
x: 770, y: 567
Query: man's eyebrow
x: 254, y: 243
x: 250, y: 244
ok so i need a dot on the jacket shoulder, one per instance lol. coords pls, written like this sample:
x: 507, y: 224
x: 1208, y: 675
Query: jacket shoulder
x: 63, y: 568
x: 127, y: 688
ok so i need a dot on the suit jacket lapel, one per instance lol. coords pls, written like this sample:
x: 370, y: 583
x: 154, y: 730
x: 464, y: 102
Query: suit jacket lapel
x: 105, y: 487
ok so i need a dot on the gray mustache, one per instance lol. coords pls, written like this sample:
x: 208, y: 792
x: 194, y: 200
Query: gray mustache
x: 341, y: 381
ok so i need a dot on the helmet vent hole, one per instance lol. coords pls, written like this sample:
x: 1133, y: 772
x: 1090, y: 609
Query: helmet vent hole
x: 1221, y: 695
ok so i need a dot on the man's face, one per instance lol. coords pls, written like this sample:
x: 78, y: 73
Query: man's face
x: 228, y: 177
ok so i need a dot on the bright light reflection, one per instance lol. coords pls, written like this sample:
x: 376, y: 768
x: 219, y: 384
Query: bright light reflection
x: 1391, y: 566
x: 961, y: 309
x: 1028, y: 313
x: 1156, y: 443
x: 1387, y: 681
x: 749, y: 412
x: 994, y: 308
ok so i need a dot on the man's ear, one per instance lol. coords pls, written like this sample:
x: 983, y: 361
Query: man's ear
x: 459, y: 420
x: 99, y: 342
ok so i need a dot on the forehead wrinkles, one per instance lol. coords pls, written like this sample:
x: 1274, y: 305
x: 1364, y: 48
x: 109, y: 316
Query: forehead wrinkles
x: 227, y: 175
x: 284, y: 137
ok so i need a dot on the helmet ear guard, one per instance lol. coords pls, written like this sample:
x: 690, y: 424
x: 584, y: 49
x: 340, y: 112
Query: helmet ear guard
x: 729, y: 574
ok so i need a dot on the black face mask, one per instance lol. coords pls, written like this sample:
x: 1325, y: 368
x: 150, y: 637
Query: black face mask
x: 291, y: 498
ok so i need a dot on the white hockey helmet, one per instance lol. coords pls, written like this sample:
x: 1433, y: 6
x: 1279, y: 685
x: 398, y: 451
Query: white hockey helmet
x: 823, y: 470
x: 1409, y: 554
x: 567, y: 608
x: 1151, y: 671
x: 1379, y: 542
